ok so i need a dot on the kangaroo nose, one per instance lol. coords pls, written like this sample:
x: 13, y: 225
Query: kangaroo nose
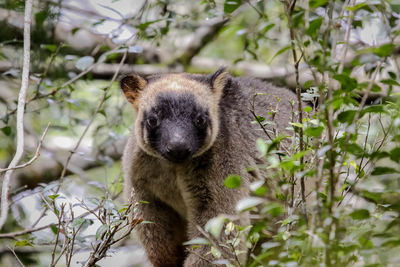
x: 178, y: 150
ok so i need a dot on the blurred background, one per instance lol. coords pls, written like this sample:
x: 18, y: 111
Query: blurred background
x: 78, y: 47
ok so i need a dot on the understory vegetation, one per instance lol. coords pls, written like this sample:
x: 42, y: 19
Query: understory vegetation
x: 331, y: 192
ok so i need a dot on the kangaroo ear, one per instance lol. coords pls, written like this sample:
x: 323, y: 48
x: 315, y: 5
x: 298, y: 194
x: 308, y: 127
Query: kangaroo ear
x: 131, y: 85
x: 218, y: 80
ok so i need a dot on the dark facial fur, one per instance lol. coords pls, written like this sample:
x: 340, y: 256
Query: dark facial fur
x: 176, y: 127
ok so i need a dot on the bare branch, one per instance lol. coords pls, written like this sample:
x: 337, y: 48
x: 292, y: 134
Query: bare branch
x: 26, y: 231
x: 15, y: 254
x: 297, y: 60
x: 64, y: 171
x: 203, y: 36
x: 20, y: 113
x: 37, y: 153
x: 347, y: 37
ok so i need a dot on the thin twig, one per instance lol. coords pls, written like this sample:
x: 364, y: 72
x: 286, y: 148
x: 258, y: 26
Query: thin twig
x: 214, y: 244
x: 347, y: 37
x: 15, y: 255
x: 26, y: 231
x: 44, y: 74
x: 357, y: 115
x: 259, y: 12
x: 37, y: 153
x: 299, y: 102
x: 36, y: 229
x: 252, y: 110
x: 100, y: 105
x: 20, y: 113
x: 59, y: 217
x: 329, y: 117
x: 55, y: 90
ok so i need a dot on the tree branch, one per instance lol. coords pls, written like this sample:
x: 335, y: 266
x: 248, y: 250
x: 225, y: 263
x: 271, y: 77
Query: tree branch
x: 20, y: 113
x: 203, y: 36
x: 37, y: 153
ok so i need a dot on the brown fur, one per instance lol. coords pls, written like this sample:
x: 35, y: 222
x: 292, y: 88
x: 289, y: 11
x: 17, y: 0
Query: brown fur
x: 184, y: 196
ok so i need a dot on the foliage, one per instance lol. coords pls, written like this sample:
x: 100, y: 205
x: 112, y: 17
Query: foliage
x: 345, y: 150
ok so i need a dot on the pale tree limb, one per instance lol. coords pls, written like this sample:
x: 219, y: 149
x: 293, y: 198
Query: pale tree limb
x: 64, y: 171
x: 26, y: 231
x: 15, y: 255
x: 20, y: 113
x: 37, y: 153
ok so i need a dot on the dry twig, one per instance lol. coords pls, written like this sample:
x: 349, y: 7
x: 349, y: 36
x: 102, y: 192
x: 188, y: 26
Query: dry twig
x: 37, y: 153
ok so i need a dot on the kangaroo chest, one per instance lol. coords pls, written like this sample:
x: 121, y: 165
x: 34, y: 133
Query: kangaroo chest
x: 170, y: 188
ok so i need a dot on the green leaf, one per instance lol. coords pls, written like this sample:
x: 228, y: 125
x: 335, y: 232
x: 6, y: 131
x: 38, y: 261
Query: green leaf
x: 357, y: 23
x: 122, y: 210
x: 75, y: 30
x: 231, y: 5
x: 258, y: 188
x: 298, y: 18
x: 269, y: 245
x: 347, y: 116
x: 360, y: 214
x: 53, y: 196
x: 40, y: 17
x: 51, y: 47
x: 307, y: 109
x: 248, y: 202
x: 22, y: 243
x: 215, y: 252
x: 260, y: 119
x: 383, y: 170
x: 261, y: 146
x: 317, y: 3
x: 391, y: 244
x: 260, y: 191
x: 281, y: 51
x: 384, y: 50
x: 314, y: 131
x: 54, y: 229
x: 346, y: 82
x: 103, y: 112
x: 356, y: 7
x: 373, y: 109
x: 197, y: 241
x: 296, y: 124
x: 214, y: 226
x: 354, y: 149
x: 102, y: 229
x: 77, y: 222
x: 267, y: 28
x: 392, y: 75
x: 6, y: 130
x: 233, y: 181
x: 395, y: 154
x: 314, y: 27
x: 390, y: 82
x: 372, y: 196
x: 144, y: 26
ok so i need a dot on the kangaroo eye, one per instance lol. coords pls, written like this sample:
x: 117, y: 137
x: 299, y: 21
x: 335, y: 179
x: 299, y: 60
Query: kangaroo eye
x: 152, y: 122
x: 201, y: 121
